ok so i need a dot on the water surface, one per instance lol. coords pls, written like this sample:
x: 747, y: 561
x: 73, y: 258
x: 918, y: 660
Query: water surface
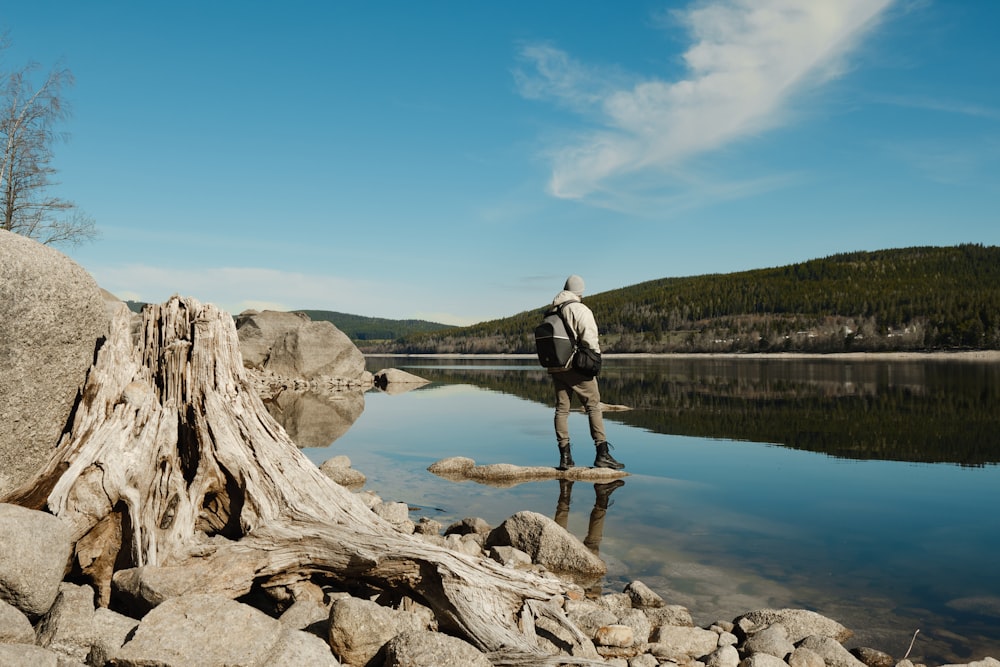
x: 866, y: 491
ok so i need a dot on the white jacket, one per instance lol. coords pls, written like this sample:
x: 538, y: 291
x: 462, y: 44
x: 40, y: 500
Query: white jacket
x: 579, y: 318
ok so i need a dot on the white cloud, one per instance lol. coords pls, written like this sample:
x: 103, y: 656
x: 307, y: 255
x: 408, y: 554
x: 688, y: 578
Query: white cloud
x: 746, y: 60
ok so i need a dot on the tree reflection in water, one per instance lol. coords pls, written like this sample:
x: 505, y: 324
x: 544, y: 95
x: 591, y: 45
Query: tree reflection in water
x: 925, y: 411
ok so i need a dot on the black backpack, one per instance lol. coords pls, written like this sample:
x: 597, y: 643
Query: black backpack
x: 554, y: 340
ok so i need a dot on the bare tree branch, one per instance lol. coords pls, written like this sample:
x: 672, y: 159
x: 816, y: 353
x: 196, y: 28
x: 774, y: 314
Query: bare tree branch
x: 29, y: 114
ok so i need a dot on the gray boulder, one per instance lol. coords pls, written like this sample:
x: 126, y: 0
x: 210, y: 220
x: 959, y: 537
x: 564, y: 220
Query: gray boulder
x: 22, y: 655
x: 618, y: 603
x: 549, y: 544
x: 615, y: 636
x: 510, y: 557
x: 643, y: 596
x: 466, y: 544
x: 52, y: 315
x: 724, y: 656
x: 360, y: 628
x: 15, y: 628
x: 309, y: 615
x: 763, y: 660
x: 109, y: 632
x: 832, y: 651
x: 804, y: 657
x: 468, y: 526
x: 291, y: 345
x: 772, y: 640
x: 396, y: 381
x: 338, y: 468
x: 873, y: 657
x: 296, y: 647
x: 425, y: 649
x: 68, y: 627
x: 637, y: 620
x: 202, y: 629
x: 459, y: 468
x: 139, y: 589
x: 74, y: 629
x: 671, y: 614
x: 428, y: 526
x: 35, y: 550
x: 645, y: 660
x: 398, y: 514
x: 588, y: 616
x: 799, y: 623
x: 680, y: 644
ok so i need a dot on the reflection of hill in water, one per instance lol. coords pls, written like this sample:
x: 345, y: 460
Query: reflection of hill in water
x: 921, y: 411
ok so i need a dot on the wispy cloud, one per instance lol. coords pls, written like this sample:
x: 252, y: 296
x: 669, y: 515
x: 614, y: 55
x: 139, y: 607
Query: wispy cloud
x: 943, y: 105
x: 746, y: 59
x: 235, y: 289
x: 957, y: 161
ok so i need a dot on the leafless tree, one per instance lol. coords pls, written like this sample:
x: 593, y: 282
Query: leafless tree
x: 31, y: 107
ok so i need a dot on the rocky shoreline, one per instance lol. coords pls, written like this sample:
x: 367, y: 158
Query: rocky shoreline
x: 47, y: 617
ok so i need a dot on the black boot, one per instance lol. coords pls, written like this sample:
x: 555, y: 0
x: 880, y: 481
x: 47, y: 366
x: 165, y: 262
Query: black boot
x: 565, y: 458
x: 562, y: 505
x: 602, y: 492
x: 604, y: 459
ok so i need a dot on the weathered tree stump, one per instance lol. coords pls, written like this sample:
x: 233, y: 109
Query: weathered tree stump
x: 173, y: 461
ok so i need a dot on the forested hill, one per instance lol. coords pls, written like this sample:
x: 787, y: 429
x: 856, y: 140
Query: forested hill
x: 921, y: 298
x: 359, y: 328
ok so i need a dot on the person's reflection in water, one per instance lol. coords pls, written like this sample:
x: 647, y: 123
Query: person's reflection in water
x: 595, y: 528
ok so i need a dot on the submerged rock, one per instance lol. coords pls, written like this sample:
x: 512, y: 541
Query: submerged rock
x: 339, y: 470
x: 396, y: 381
x: 459, y: 468
x: 799, y: 623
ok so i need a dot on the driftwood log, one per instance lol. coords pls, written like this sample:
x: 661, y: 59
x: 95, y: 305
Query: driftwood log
x: 172, y: 461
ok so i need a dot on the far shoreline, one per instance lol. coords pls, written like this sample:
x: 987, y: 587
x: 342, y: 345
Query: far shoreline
x: 989, y: 356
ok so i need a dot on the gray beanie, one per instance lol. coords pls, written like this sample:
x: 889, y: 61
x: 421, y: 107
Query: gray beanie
x: 574, y: 284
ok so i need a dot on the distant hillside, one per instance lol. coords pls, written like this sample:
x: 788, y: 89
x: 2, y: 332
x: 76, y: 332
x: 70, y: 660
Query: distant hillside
x: 922, y: 298
x: 359, y: 328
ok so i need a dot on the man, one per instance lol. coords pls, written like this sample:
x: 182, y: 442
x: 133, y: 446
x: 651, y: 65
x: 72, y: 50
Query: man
x: 568, y: 381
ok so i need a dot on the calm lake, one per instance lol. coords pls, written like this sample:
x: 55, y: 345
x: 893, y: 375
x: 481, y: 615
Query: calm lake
x: 868, y: 491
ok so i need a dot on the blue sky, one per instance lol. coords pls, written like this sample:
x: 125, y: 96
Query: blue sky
x: 455, y: 161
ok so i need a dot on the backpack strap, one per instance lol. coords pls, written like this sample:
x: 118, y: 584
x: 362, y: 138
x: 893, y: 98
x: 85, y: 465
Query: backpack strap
x: 569, y: 329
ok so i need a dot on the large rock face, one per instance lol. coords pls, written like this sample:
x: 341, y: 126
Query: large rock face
x: 52, y: 315
x: 293, y: 346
